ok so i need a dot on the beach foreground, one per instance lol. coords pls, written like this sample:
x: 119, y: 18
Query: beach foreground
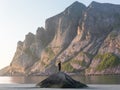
x: 32, y: 87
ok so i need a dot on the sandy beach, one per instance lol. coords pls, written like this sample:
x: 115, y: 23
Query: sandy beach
x: 32, y: 87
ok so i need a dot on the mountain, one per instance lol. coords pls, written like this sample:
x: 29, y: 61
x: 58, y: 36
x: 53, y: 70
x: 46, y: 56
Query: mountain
x: 85, y: 39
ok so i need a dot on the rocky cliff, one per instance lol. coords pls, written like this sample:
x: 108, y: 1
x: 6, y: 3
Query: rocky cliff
x: 84, y: 39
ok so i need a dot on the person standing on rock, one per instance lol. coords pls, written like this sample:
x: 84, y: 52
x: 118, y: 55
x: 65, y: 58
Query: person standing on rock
x: 59, y: 66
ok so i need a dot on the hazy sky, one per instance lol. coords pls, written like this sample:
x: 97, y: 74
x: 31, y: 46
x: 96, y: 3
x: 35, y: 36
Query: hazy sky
x: 18, y: 17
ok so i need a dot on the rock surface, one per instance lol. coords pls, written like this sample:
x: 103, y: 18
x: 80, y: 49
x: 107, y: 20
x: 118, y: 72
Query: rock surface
x: 60, y: 80
x: 85, y: 39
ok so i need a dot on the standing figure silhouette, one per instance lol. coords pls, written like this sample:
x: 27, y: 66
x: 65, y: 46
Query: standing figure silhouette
x: 59, y: 66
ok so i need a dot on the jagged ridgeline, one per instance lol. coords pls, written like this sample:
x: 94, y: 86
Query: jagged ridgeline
x: 85, y: 39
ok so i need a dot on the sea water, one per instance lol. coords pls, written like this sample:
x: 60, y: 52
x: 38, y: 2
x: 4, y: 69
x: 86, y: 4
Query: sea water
x: 104, y: 82
x: 32, y: 87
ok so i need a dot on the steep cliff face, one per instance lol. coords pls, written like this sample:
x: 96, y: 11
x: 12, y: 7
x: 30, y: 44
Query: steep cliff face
x: 98, y: 23
x: 24, y: 55
x: 63, y: 28
x: 28, y: 52
x: 83, y: 38
x: 107, y: 60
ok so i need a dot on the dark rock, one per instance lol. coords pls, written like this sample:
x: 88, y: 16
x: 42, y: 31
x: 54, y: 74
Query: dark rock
x: 60, y: 80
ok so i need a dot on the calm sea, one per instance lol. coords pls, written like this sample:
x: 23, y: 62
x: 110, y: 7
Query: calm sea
x: 105, y: 79
x: 111, y: 82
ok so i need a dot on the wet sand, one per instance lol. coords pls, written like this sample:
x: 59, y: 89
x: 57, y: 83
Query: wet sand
x: 32, y: 87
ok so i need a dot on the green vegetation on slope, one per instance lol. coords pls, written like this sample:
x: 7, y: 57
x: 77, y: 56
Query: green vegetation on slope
x: 30, y: 53
x: 82, y: 62
x: 67, y: 67
x: 89, y: 55
x: 108, y: 60
x: 50, y: 52
x: 79, y: 62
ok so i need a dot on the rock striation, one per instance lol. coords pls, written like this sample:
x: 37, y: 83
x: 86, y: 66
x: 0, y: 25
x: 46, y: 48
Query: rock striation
x: 85, y: 39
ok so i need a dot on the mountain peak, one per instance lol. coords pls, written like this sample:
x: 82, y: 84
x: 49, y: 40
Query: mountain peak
x: 75, y: 6
x: 76, y: 3
x: 94, y: 3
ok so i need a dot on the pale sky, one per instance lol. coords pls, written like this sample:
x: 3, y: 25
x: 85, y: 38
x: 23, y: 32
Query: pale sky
x: 18, y: 17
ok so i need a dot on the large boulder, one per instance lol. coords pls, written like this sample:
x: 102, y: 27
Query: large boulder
x: 60, y: 80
